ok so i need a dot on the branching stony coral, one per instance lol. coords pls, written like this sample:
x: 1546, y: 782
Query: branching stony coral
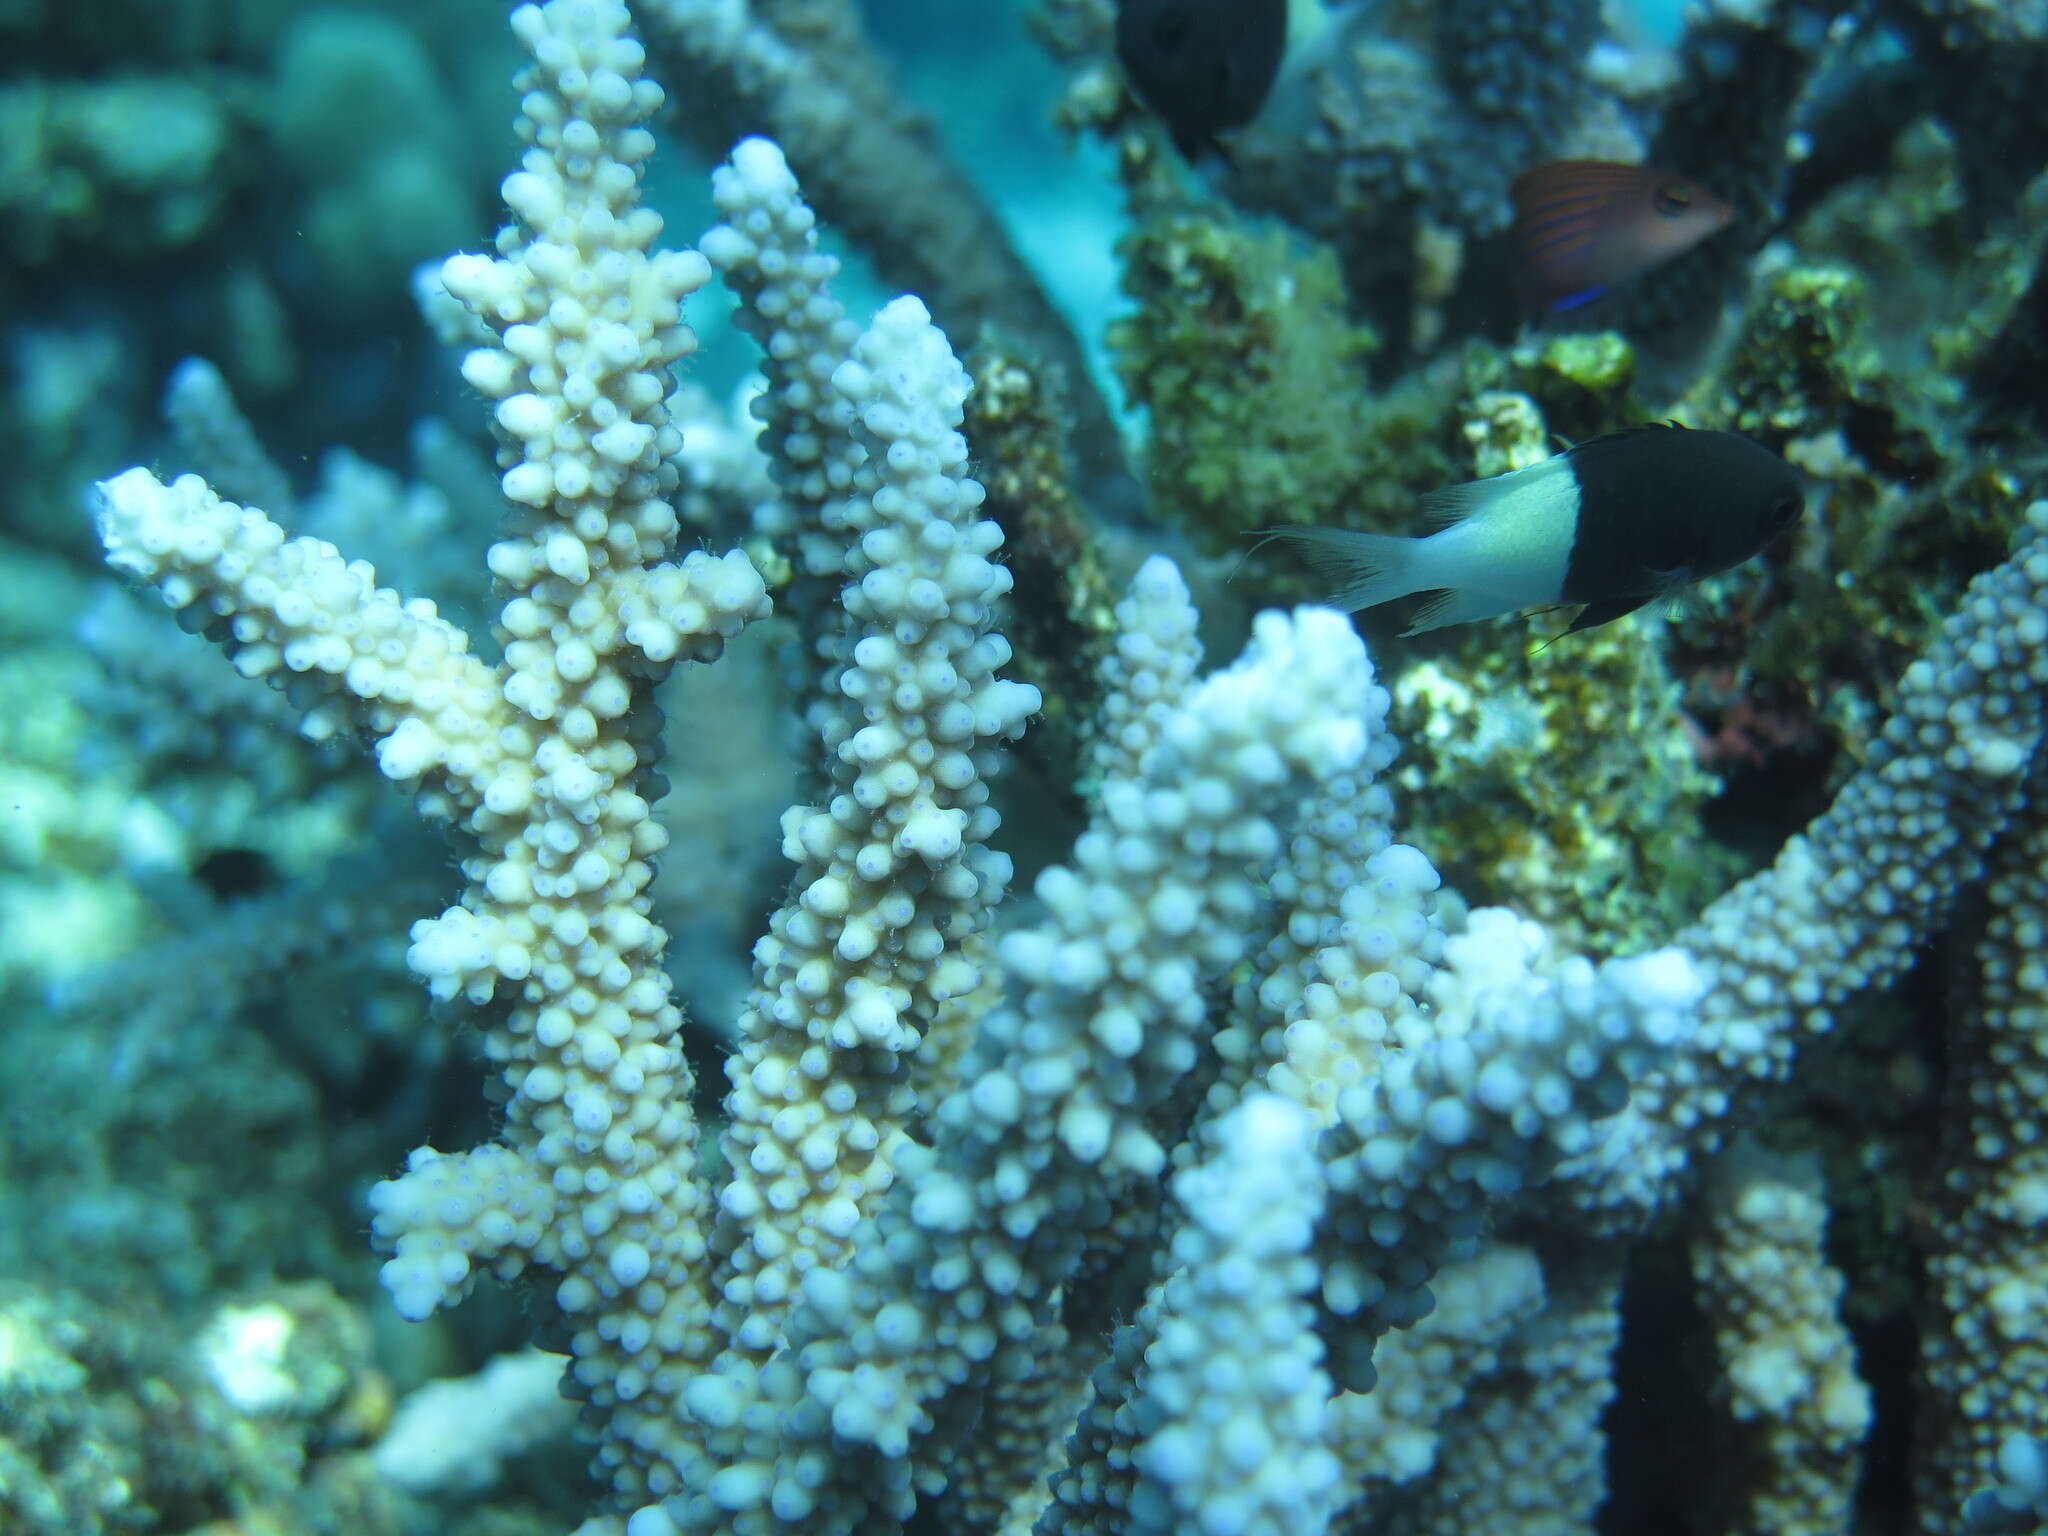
x: 841, y: 1317
x: 542, y: 759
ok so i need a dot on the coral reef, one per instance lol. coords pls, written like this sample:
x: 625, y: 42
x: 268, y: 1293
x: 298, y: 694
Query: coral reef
x: 955, y: 1064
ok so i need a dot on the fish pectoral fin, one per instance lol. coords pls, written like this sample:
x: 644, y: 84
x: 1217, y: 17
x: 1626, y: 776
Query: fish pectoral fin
x: 1677, y: 577
x: 1680, y: 601
x: 1606, y: 611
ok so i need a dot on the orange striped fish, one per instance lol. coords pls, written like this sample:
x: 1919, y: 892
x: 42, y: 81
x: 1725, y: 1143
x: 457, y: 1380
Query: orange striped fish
x: 1582, y: 226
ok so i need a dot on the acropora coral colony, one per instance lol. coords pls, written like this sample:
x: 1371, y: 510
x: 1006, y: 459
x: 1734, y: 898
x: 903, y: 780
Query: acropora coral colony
x: 1244, y: 1177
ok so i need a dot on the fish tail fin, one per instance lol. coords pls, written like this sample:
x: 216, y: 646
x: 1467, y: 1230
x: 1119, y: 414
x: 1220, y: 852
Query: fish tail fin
x: 1367, y: 568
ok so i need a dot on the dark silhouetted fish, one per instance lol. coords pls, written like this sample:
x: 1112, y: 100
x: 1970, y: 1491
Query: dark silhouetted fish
x: 1203, y: 65
x: 1612, y: 523
x: 1581, y: 226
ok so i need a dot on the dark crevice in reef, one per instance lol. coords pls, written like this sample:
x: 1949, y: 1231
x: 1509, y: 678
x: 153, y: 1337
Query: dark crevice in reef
x: 1657, y: 1436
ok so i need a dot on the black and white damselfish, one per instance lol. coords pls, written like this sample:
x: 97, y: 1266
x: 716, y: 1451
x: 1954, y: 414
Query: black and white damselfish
x: 1203, y: 65
x: 1611, y: 523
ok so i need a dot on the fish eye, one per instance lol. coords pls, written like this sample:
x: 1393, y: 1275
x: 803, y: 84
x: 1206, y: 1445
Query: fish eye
x: 1786, y: 512
x: 1671, y: 199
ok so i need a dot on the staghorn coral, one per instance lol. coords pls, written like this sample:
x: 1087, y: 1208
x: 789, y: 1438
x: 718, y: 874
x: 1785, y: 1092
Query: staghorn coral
x: 1427, y: 1041
x: 804, y: 72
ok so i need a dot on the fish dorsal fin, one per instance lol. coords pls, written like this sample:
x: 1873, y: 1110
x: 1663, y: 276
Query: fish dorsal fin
x: 1633, y: 431
x: 1456, y: 503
